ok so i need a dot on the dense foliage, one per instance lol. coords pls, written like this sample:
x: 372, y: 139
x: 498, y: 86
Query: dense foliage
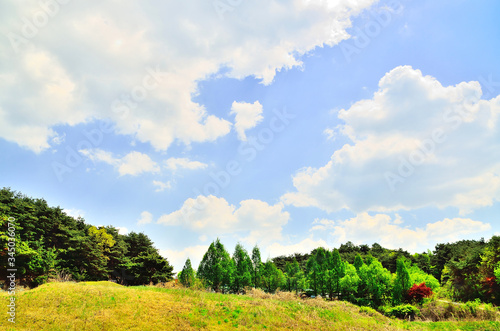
x: 366, y: 281
x: 466, y: 270
x: 49, y: 243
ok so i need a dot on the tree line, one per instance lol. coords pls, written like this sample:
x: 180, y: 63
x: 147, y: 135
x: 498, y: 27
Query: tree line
x: 368, y: 276
x: 49, y: 243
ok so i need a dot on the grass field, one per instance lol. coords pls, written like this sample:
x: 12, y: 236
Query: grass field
x: 108, y: 306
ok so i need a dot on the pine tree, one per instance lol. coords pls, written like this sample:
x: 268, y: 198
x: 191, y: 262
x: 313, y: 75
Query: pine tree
x: 257, y: 266
x: 335, y: 272
x: 401, y: 283
x: 186, y: 276
x: 293, y: 275
x: 216, y: 267
x: 242, y: 269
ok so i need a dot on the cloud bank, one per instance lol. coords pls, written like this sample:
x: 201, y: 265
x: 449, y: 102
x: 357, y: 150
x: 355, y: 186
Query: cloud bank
x: 139, y: 63
x: 416, y: 143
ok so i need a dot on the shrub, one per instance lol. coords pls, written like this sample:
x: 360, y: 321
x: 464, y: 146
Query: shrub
x: 417, y: 293
x: 437, y: 310
x: 402, y: 311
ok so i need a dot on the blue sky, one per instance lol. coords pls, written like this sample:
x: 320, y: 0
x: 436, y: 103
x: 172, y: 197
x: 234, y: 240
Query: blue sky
x: 287, y: 124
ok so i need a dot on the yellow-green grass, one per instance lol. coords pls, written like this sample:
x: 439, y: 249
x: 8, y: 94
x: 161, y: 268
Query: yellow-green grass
x: 108, y: 306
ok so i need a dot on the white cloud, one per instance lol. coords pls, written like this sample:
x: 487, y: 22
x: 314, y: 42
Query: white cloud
x: 183, y: 163
x: 264, y: 222
x: 388, y: 232
x: 75, y: 213
x: 134, y: 163
x: 247, y: 116
x: 178, y: 258
x: 146, y: 218
x: 416, y: 143
x: 139, y: 63
x: 162, y: 186
x: 122, y: 230
x: 255, y: 221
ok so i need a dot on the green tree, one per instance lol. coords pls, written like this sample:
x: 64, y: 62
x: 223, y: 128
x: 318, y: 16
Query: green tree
x: 242, y: 269
x: 119, y: 262
x: 349, y: 283
x: 256, y: 266
x: 150, y: 267
x: 317, y: 270
x: 490, y: 271
x: 216, y: 267
x: 145, y: 265
x: 376, y: 283
x: 423, y: 261
x: 401, y: 283
x: 358, y: 262
x: 313, y: 274
x: 334, y: 272
x: 418, y: 276
x: 497, y: 273
x: 50, y: 241
x: 464, y: 278
x: 137, y: 243
x: 186, y: 276
x: 272, y: 277
x: 293, y: 276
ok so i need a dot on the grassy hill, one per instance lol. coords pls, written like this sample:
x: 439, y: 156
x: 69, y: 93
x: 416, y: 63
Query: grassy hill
x: 108, y: 306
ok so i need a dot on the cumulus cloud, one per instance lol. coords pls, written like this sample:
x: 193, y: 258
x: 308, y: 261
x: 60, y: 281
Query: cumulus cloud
x: 134, y: 163
x: 183, y: 163
x: 390, y: 233
x: 177, y: 258
x: 255, y: 221
x: 146, y: 218
x: 247, y: 116
x: 416, y: 143
x: 139, y: 63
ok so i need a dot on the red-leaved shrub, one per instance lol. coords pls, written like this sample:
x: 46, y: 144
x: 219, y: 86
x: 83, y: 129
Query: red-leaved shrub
x: 417, y: 293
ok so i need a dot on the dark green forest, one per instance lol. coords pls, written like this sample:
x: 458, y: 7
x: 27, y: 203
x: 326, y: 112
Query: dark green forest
x: 50, y: 244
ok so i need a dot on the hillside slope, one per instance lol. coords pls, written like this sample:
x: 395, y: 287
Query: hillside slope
x: 108, y: 306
